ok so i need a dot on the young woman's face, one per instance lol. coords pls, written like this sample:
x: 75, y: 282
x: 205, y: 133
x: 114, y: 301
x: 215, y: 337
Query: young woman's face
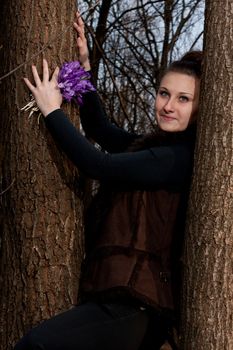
x: 176, y: 102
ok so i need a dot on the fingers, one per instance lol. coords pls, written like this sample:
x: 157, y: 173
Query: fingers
x: 29, y: 85
x: 36, y: 76
x: 45, y: 70
x: 79, y: 26
x: 37, y: 79
x: 80, y: 31
x: 55, y: 75
x: 79, y: 19
x: 81, y: 40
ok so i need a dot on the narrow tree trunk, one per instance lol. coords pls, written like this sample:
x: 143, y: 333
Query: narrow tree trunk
x: 41, y: 240
x: 208, y: 284
x: 100, y: 34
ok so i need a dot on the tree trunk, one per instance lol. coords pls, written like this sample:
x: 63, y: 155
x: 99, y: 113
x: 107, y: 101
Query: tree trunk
x: 41, y: 237
x: 101, y: 30
x: 208, y: 271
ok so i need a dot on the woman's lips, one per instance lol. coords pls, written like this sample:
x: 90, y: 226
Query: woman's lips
x: 167, y: 118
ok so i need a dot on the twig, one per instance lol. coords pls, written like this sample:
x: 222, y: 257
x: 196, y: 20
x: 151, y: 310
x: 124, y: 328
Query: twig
x: 46, y: 45
x: 1, y: 193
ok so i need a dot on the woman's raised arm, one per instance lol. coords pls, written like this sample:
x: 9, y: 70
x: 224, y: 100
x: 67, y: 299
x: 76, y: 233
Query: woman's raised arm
x: 94, y: 120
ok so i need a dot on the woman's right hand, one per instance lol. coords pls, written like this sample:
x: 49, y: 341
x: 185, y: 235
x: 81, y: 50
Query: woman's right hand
x: 82, y: 42
x: 45, y: 91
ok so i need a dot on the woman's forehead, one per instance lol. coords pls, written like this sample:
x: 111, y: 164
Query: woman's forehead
x: 179, y: 82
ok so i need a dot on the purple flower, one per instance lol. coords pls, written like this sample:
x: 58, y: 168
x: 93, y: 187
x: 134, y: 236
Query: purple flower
x: 74, y: 81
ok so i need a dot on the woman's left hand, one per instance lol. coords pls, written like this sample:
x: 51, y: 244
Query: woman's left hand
x: 83, y: 54
x: 46, y: 92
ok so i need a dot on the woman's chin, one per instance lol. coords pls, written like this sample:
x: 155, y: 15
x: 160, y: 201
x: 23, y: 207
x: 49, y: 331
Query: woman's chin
x: 169, y: 127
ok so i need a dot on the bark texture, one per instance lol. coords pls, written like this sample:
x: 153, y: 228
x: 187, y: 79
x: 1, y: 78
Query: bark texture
x: 208, y: 284
x: 41, y: 225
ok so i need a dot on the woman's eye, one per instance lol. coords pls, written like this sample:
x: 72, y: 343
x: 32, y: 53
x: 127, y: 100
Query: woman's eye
x: 183, y: 98
x: 163, y: 93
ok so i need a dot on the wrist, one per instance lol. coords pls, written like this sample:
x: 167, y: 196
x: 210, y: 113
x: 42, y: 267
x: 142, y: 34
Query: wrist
x: 47, y: 111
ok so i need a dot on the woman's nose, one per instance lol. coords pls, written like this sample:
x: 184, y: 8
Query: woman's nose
x: 169, y: 105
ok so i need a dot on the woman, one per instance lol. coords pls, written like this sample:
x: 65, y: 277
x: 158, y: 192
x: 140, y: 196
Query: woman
x: 135, y: 224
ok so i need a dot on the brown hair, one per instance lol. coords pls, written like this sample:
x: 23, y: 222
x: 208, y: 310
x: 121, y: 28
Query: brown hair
x: 190, y: 64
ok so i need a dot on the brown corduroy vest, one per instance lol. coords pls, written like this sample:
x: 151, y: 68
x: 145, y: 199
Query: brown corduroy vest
x: 132, y: 250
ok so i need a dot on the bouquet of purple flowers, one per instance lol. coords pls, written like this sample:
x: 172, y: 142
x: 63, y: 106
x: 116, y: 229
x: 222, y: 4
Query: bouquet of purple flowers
x: 74, y: 81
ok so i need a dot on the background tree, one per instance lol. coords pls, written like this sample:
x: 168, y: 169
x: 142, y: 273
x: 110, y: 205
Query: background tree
x: 208, y: 290
x: 41, y: 241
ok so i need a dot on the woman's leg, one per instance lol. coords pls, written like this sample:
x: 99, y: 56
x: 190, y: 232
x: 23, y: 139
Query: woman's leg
x: 89, y: 326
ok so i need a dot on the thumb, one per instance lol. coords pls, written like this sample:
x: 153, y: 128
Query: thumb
x: 55, y: 74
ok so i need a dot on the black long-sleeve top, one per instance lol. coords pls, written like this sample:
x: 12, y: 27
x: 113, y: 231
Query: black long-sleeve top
x: 145, y: 169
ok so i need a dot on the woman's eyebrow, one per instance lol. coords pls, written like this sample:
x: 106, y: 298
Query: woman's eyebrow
x: 186, y: 93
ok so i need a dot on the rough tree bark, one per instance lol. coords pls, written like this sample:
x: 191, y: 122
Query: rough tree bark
x: 208, y: 286
x: 41, y: 240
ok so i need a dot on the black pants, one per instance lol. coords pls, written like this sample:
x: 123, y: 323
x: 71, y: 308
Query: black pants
x: 92, y: 326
